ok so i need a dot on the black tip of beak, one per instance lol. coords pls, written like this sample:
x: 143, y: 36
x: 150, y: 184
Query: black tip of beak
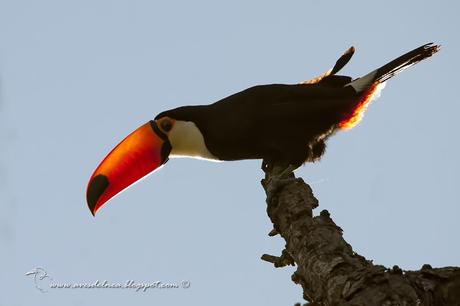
x: 96, y: 188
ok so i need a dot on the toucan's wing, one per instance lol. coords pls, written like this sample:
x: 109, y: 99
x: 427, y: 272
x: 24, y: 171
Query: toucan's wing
x: 341, y: 62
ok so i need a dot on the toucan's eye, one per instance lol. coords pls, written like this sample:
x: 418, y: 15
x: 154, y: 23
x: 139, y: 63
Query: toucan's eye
x: 166, y: 125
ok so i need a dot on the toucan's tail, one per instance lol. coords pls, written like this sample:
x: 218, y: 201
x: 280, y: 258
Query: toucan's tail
x: 369, y: 86
x: 387, y: 71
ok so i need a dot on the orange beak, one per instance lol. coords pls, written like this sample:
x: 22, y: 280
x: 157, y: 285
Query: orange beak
x: 139, y: 154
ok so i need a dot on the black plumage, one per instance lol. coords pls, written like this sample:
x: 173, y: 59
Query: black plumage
x: 272, y: 122
x: 288, y: 123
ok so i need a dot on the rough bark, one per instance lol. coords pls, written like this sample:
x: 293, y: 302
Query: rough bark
x: 328, y: 269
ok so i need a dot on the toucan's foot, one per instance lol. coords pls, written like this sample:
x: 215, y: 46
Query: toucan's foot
x: 266, y: 166
x: 276, y: 177
x: 278, y: 181
x: 287, y: 172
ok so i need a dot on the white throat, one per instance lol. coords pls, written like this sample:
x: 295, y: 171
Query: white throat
x: 187, y: 141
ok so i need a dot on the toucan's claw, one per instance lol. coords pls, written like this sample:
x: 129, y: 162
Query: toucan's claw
x: 274, y: 182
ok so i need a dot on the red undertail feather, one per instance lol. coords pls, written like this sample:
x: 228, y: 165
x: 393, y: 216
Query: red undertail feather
x: 370, y: 85
x: 358, y: 112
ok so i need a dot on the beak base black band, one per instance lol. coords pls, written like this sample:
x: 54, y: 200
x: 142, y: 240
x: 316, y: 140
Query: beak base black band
x: 157, y: 130
x: 166, y: 148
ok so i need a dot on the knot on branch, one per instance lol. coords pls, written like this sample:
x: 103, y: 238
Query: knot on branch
x: 279, y: 261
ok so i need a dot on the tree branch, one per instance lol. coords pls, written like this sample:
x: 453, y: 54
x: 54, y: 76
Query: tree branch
x: 328, y: 269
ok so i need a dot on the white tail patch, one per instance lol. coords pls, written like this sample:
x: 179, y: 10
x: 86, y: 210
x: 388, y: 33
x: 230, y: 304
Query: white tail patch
x: 364, y: 82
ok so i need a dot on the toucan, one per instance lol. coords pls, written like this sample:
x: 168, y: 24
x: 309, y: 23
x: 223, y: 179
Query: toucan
x: 286, y: 124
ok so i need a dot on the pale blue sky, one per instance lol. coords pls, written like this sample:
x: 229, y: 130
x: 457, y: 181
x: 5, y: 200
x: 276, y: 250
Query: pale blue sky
x: 78, y: 76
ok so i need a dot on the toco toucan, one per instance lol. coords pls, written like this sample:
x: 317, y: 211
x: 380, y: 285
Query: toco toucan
x: 280, y: 123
